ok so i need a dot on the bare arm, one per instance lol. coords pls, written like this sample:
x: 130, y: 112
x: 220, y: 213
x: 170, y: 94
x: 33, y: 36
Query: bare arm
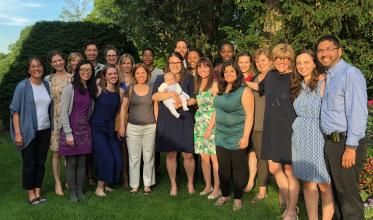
x: 156, y: 110
x: 123, y: 114
x: 247, y: 101
x: 253, y: 85
x: 210, y: 126
x: 17, y: 129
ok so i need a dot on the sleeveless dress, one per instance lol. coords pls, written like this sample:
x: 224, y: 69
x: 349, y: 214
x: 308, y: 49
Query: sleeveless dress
x: 205, y: 101
x: 56, y: 86
x: 79, y: 123
x: 107, y: 154
x: 307, y: 139
x: 230, y: 119
x: 175, y: 134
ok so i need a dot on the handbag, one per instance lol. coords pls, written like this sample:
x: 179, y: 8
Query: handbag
x: 117, y: 117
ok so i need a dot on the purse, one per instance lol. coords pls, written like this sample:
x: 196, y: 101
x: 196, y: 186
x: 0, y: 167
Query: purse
x: 117, y: 117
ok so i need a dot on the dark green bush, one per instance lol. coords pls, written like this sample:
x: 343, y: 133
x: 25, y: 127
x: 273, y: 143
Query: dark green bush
x: 64, y: 36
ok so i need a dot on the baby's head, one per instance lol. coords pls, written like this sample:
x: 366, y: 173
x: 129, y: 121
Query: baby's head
x: 169, y: 78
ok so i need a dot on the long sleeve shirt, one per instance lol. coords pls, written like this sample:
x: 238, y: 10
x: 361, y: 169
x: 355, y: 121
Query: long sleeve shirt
x: 344, y: 104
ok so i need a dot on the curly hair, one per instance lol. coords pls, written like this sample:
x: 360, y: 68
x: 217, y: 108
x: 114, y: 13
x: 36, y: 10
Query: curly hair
x: 222, y: 84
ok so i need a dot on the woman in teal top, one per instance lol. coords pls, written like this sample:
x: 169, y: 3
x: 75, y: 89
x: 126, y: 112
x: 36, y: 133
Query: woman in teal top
x: 234, y: 113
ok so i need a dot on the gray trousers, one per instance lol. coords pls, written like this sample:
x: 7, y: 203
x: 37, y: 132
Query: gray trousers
x: 141, y: 140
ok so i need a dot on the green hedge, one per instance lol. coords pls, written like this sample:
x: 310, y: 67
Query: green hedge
x: 64, y: 36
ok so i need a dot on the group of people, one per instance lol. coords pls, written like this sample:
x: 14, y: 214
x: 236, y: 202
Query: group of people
x: 300, y: 117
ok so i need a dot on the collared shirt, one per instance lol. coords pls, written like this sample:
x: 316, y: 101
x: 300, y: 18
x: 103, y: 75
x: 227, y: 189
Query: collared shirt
x: 98, y: 68
x: 344, y: 104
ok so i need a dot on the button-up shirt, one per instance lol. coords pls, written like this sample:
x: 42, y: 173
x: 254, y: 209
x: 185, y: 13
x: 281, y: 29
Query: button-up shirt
x: 344, y: 105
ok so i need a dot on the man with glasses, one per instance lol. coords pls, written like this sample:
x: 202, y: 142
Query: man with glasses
x: 343, y: 121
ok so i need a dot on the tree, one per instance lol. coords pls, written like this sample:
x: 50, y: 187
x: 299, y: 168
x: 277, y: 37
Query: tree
x: 76, y: 10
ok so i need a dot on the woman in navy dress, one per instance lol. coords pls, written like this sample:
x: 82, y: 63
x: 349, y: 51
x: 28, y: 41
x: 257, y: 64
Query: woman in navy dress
x: 176, y: 134
x: 107, y: 154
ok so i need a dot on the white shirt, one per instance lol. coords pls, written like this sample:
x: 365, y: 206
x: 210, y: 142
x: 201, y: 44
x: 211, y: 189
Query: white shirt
x: 42, y: 101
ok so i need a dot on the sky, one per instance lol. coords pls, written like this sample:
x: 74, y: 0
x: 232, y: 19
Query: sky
x: 17, y: 14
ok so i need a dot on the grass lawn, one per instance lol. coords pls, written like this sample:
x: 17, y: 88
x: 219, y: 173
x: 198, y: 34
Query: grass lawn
x: 120, y: 204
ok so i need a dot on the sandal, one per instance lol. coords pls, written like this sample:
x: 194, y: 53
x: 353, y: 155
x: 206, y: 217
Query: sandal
x: 34, y: 201
x: 147, y: 191
x: 41, y: 200
x: 257, y: 199
x: 221, y: 201
x: 134, y: 190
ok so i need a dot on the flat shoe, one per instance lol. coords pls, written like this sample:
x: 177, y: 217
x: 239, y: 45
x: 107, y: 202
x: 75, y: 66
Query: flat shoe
x: 41, y: 200
x: 109, y: 189
x: 237, y: 207
x: 34, y: 201
x: 203, y: 193
x: 257, y: 199
x: 100, y: 193
x: 221, y: 201
x: 134, y: 190
x: 147, y: 191
x: 213, y: 197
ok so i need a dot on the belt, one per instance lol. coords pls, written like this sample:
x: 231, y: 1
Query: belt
x: 335, y: 136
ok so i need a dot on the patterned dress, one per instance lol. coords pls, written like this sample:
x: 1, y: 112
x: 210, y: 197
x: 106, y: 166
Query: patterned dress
x: 56, y: 85
x: 307, y: 139
x: 205, y: 101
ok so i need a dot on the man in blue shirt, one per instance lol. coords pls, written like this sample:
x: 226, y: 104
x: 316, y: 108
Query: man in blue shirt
x: 344, y: 117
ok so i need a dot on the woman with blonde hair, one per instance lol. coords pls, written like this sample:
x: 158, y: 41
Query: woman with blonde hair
x: 72, y: 61
x: 278, y: 119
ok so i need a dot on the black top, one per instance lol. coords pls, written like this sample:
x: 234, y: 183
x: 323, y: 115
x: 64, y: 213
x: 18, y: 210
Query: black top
x: 279, y: 115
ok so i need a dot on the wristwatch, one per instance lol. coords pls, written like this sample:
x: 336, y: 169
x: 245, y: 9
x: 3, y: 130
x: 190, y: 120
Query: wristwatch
x: 351, y: 147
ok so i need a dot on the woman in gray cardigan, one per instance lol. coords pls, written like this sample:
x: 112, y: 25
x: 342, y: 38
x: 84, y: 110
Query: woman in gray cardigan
x: 30, y: 127
x: 75, y: 140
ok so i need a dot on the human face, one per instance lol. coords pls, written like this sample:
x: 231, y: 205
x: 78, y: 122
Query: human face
x: 148, y: 57
x: 85, y: 72
x: 111, y: 76
x: 230, y: 74
x: 141, y: 75
x: 203, y: 71
x: 193, y: 57
x: 283, y: 64
x: 169, y: 79
x: 244, y: 63
x: 74, y: 61
x: 263, y: 63
x: 91, y: 52
x: 328, y: 54
x: 305, y: 65
x: 58, y: 63
x: 174, y: 64
x: 36, y: 69
x: 226, y: 52
x: 127, y: 65
x: 182, y: 48
x: 111, y: 57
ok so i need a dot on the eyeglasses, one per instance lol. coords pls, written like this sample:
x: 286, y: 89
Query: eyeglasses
x: 86, y: 69
x: 328, y: 50
x: 36, y: 66
x: 111, y: 55
x: 282, y: 58
x: 174, y: 63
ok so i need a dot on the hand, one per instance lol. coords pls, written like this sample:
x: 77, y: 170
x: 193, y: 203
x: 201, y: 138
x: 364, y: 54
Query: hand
x: 207, y: 134
x: 348, y: 158
x: 244, y: 142
x: 19, y: 140
x: 122, y: 131
x: 178, y: 103
x: 70, y: 140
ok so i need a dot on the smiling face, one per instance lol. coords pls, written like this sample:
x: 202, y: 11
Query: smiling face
x: 85, y: 72
x: 111, y: 57
x: 174, y: 64
x: 148, y: 57
x: 182, y: 48
x: 91, y: 52
x: 127, y: 65
x: 111, y: 76
x: 263, y: 63
x: 244, y: 64
x: 74, y: 61
x: 226, y: 52
x: 193, y: 57
x: 230, y: 74
x: 305, y: 65
x: 283, y: 64
x: 141, y: 76
x: 328, y: 54
x: 35, y: 69
x: 203, y: 70
x: 169, y: 78
x: 58, y: 63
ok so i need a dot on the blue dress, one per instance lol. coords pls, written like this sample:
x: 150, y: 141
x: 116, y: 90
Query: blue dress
x: 107, y: 154
x: 307, y: 139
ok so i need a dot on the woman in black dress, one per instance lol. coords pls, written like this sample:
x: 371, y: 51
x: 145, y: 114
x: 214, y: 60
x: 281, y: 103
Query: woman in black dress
x: 176, y: 134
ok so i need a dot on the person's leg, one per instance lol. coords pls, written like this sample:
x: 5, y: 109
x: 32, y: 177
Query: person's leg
x: 41, y: 157
x: 28, y: 169
x: 134, y: 141
x: 100, y: 188
x: 206, y: 171
x: 252, y: 163
x: 71, y: 164
x: 327, y: 201
x: 184, y: 103
x: 125, y: 169
x: 311, y: 198
x: 224, y: 157
x: 170, y: 105
x: 80, y: 175
x: 281, y: 179
x: 171, y: 169
x: 215, y: 168
x: 263, y: 171
x: 116, y: 156
x: 189, y: 167
x: 239, y: 169
x: 148, y: 147
x: 291, y: 209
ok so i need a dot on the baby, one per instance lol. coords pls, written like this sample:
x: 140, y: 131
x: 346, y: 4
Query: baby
x: 170, y: 85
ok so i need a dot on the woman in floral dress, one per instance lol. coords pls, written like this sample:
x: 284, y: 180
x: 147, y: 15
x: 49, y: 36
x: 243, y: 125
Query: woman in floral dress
x: 204, y: 136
